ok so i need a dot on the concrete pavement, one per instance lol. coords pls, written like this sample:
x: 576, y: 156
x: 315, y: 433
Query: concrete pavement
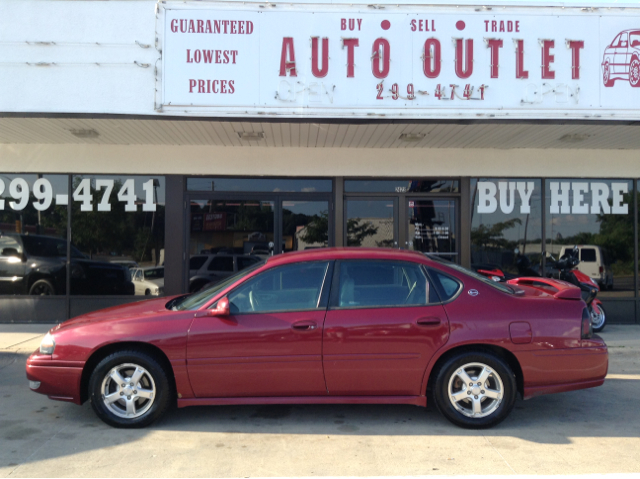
x: 581, y: 432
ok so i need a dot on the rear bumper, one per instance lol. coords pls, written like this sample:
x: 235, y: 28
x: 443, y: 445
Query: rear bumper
x: 59, y: 380
x: 562, y: 370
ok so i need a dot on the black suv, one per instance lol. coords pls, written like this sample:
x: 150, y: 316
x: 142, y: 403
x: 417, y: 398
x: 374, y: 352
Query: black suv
x: 36, y: 265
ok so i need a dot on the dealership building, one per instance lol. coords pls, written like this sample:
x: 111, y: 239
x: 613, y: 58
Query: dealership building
x: 150, y: 148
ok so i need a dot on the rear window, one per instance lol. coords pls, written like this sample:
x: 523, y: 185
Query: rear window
x: 588, y: 255
x: 447, y: 286
x: 500, y: 286
x: 196, y: 262
x: 221, y: 263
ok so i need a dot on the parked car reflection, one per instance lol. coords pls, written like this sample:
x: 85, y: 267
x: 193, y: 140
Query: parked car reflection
x: 36, y: 265
x: 148, y: 281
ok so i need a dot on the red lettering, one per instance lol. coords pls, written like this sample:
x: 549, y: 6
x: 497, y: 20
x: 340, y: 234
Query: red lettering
x: 189, y: 60
x: 509, y: 26
x: 352, y: 24
x: 501, y: 25
x: 213, y: 86
x: 517, y: 25
x: 494, y: 26
x: 547, y: 60
x: 192, y: 27
x: 192, y: 84
x: 381, y: 54
x: 233, y: 26
x: 241, y: 28
x: 575, y: 47
x: 232, y: 90
x: 420, y: 25
x: 226, y: 25
x: 216, y: 26
x: 197, y: 56
x: 350, y: 43
x: 200, y: 86
x: 413, y: 25
x: 223, y: 86
x: 233, y: 55
x: 207, y: 28
x: 495, y: 45
x: 249, y: 28
x: 174, y: 25
x: 208, y: 56
x: 208, y: 86
x: 287, y: 52
x: 467, y: 70
x: 431, y: 58
x: 226, y: 56
x: 319, y: 72
x: 200, y: 26
x: 343, y: 24
x: 218, y: 60
x: 183, y: 26
x: 433, y: 25
x: 486, y: 25
x: 359, y: 23
x: 520, y: 71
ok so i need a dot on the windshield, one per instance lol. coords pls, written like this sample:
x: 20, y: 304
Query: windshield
x: 197, y: 300
x: 499, y: 286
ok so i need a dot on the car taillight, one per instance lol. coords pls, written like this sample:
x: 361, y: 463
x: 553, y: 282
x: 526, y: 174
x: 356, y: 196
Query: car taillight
x: 601, y: 269
x: 587, y: 331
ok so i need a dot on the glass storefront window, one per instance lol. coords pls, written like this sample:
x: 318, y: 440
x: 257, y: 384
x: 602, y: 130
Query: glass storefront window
x: 598, y: 217
x: 432, y: 227
x: 370, y: 223
x: 506, y: 224
x: 305, y: 225
x: 418, y: 185
x: 117, y: 224
x: 227, y: 236
x: 273, y: 185
x: 33, y: 234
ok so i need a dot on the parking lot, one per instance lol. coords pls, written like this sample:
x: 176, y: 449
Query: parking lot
x: 590, y: 431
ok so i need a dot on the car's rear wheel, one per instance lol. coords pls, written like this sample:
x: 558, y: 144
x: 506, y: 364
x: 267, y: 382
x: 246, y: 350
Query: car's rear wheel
x: 475, y: 390
x: 598, y: 317
x: 606, y: 75
x: 42, y: 287
x: 129, y: 389
x: 634, y: 72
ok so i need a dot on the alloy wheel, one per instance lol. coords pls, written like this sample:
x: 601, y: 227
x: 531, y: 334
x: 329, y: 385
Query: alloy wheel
x: 475, y: 390
x: 128, y: 390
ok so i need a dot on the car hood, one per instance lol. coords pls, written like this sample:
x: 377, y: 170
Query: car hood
x: 139, y: 309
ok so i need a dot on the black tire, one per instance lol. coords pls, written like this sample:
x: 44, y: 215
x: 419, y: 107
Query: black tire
x: 42, y: 287
x: 155, y: 379
x: 147, y: 292
x: 492, y: 410
x: 598, y: 322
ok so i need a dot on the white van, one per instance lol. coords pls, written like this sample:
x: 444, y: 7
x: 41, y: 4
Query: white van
x: 595, y: 263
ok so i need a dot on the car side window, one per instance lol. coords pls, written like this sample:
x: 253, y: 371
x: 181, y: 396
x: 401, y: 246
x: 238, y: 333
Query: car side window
x: 368, y: 284
x: 221, y: 263
x: 9, y: 246
x: 294, y: 287
x: 588, y: 255
x: 446, y: 286
x: 623, y: 40
x: 196, y: 262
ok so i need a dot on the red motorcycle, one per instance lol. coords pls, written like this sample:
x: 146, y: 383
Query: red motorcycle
x: 566, y: 267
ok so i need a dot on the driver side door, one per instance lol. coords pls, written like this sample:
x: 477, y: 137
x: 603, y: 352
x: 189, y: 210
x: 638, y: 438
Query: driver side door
x: 271, y: 343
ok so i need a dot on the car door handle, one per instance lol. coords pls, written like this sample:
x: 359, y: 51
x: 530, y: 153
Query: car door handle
x: 428, y: 321
x: 304, y: 325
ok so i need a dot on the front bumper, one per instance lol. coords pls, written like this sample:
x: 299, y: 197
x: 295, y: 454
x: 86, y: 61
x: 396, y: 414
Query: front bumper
x: 59, y: 380
x: 560, y: 370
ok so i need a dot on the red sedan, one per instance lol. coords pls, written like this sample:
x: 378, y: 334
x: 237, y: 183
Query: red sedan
x: 337, y: 325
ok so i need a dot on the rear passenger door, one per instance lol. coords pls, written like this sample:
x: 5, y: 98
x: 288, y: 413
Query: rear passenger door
x: 383, y: 325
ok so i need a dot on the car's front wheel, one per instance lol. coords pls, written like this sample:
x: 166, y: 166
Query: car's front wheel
x: 634, y: 72
x: 475, y: 390
x: 130, y: 389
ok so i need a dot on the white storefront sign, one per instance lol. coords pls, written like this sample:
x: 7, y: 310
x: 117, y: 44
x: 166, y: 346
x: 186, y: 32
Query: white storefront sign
x: 401, y: 62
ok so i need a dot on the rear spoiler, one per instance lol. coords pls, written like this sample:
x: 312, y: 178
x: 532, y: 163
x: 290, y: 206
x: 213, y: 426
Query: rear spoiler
x: 564, y: 290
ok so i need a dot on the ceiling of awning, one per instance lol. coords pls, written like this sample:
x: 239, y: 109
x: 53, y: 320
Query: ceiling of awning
x: 145, y: 131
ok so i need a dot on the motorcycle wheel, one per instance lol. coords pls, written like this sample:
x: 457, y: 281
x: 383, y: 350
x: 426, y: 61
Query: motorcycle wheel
x: 598, y: 317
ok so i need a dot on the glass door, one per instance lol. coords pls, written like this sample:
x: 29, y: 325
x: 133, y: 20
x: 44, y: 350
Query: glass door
x: 305, y: 224
x: 371, y: 222
x: 432, y: 227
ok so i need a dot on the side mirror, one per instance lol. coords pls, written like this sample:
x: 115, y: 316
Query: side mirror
x: 222, y: 309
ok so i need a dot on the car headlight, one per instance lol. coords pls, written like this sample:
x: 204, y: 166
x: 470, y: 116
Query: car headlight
x: 47, y: 345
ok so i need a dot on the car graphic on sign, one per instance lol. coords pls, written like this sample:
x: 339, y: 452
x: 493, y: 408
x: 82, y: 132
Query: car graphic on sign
x: 621, y: 60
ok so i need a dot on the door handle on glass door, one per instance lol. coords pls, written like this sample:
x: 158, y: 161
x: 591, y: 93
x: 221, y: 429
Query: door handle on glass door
x: 304, y: 325
x: 432, y: 321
